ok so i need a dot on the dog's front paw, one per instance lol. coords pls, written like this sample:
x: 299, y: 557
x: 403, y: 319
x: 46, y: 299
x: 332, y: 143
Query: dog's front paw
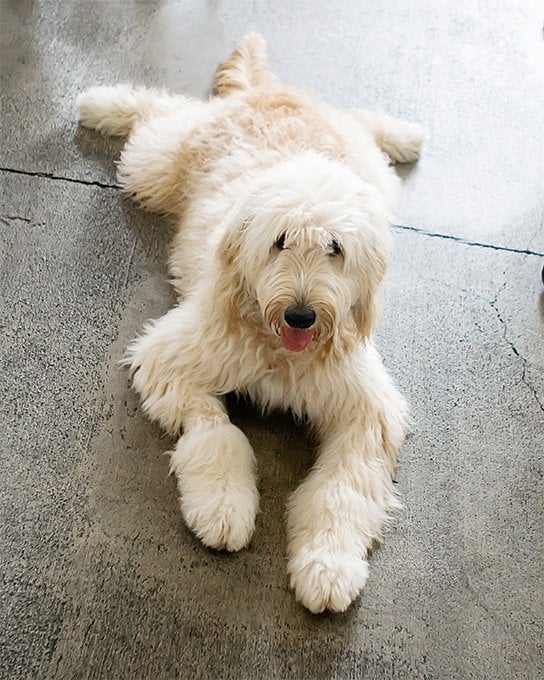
x: 324, y: 580
x: 218, y: 494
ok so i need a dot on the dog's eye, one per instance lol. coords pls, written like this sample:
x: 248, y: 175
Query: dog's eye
x: 336, y: 250
x: 280, y: 243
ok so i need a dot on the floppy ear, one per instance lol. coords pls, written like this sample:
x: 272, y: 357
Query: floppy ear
x: 229, y: 284
x: 365, y: 310
x: 364, y: 313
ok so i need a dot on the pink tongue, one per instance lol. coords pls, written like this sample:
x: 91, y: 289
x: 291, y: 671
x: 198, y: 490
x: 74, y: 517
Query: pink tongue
x: 296, y: 339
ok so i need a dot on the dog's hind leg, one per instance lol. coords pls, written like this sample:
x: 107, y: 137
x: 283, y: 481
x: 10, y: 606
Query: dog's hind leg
x: 115, y: 110
x: 399, y: 139
x: 245, y: 68
x: 213, y: 461
x: 151, y: 168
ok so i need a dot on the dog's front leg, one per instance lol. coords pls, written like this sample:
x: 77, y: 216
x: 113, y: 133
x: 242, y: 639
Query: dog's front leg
x: 334, y: 516
x: 213, y: 461
x: 215, y: 469
x: 346, y: 500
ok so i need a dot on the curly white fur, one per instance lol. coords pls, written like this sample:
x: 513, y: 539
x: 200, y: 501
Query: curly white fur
x: 279, y: 199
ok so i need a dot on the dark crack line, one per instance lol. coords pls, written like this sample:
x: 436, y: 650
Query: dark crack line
x: 530, y: 385
x: 515, y: 351
x: 400, y: 227
x: 465, y: 242
x: 14, y: 218
x: 58, y: 178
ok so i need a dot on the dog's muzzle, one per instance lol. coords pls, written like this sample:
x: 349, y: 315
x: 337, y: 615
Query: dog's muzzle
x: 297, y: 334
x: 297, y: 316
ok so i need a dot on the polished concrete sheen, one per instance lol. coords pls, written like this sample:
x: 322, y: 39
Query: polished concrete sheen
x: 99, y: 579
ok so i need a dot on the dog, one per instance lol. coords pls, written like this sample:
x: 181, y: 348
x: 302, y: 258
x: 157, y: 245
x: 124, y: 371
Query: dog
x: 282, y: 205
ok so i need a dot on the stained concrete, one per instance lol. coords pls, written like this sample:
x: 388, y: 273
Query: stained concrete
x: 99, y: 577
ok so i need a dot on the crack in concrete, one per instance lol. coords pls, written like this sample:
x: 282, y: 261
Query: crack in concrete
x: 122, y: 286
x: 400, y: 227
x: 49, y: 175
x: 14, y: 218
x: 466, y: 242
x: 515, y: 350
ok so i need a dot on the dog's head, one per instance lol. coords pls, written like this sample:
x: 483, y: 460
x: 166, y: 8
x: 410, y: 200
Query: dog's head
x: 309, y: 243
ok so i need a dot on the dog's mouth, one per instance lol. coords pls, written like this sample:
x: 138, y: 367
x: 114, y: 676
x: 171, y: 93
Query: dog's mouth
x: 296, y: 339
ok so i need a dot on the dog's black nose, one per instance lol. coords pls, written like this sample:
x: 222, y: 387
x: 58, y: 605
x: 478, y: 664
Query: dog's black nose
x: 299, y: 317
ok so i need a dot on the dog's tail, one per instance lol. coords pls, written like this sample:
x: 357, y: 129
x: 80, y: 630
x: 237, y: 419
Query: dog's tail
x: 245, y: 68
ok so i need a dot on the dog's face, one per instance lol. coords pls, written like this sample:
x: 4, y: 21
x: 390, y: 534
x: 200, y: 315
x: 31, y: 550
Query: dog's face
x: 311, y: 242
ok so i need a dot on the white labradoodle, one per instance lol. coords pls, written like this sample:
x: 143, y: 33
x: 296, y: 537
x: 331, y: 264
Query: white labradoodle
x: 282, y: 205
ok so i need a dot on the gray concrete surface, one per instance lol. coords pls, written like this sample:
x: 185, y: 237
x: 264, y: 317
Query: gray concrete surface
x: 99, y: 579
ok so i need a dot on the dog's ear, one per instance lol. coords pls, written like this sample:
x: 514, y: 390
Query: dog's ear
x: 364, y: 313
x: 228, y: 249
x: 229, y: 285
x: 365, y: 310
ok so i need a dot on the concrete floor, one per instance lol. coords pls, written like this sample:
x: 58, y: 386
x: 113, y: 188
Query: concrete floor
x: 99, y: 579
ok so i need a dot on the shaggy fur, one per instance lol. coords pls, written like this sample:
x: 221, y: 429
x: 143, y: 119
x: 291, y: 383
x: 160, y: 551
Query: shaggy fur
x: 279, y: 199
